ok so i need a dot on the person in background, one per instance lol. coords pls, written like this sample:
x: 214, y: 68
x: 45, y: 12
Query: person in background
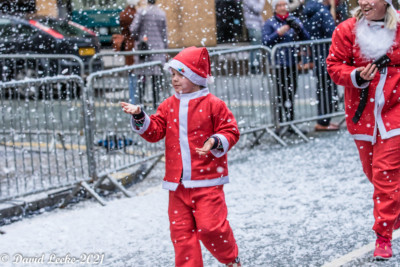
x: 320, y: 25
x: 125, y: 20
x: 341, y: 11
x: 149, y: 28
x: 252, y: 12
x: 284, y: 28
x: 199, y: 129
x: 295, y: 7
x: 364, y: 58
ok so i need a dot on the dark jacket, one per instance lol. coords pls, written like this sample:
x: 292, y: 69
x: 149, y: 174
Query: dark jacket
x: 270, y: 37
x: 152, y: 23
x: 125, y: 20
x: 318, y: 20
x: 320, y: 24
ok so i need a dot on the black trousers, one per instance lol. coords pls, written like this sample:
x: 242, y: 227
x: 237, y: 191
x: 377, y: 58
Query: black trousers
x: 286, y: 80
x: 156, y: 81
x: 326, y: 90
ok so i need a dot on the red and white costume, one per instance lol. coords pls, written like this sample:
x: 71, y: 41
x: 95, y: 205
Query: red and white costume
x: 197, y: 208
x: 187, y: 121
x: 355, y: 44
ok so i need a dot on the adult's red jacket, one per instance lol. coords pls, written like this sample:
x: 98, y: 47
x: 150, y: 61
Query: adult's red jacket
x: 186, y: 121
x: 382, y: 110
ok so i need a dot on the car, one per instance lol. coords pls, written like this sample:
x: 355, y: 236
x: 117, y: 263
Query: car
x: 44, y: 35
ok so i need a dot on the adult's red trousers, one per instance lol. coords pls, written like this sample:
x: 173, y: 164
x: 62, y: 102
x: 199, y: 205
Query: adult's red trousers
x: 200, y: 214
x: 381, y: 164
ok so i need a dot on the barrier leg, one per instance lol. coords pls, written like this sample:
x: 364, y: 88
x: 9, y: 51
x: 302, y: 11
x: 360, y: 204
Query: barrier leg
x: 298, y: 132
x: 88, y: 189
x: 118, y: 185
x: 276, y: 137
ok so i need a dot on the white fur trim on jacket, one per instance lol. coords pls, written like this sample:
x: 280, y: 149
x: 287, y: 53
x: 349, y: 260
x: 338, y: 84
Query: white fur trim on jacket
x: 384, y: 38
x: 225, y: 144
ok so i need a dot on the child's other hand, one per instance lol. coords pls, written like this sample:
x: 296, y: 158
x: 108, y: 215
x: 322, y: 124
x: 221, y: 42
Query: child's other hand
x: 206, y: 147
x: 130, y: 109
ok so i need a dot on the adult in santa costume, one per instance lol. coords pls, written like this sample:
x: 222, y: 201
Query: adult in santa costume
x: 194, y: 123
x: 365, y: 57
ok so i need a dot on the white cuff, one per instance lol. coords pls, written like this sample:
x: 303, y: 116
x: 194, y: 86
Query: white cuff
x: 354, y: 81
x: 225, y: 144
x: 145, y: 126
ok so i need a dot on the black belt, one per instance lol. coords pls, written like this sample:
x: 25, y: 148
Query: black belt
x: 361, y: 106
x: 363, y: 101
x: 380, y: 63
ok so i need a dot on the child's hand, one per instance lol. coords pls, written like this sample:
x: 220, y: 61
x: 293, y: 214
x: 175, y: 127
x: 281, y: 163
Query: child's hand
x: 130, y: 109
x: 206, y: 147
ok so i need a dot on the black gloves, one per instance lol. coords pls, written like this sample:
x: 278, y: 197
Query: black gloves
x: 293, y: 24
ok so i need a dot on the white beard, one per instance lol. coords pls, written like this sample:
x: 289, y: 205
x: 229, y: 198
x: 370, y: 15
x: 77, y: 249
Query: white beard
x: 374, y: 41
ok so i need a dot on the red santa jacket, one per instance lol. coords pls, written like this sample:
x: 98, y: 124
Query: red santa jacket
x: 383, y: 107
x: 186, y: 121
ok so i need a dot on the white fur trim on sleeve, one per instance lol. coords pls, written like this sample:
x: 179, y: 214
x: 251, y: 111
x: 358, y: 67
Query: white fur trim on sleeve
x: 225, y: 144
x: 354, y: 81
x: 145, y: 126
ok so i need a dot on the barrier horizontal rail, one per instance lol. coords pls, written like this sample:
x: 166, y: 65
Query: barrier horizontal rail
x: 117, y: 58
x: 18, y: 67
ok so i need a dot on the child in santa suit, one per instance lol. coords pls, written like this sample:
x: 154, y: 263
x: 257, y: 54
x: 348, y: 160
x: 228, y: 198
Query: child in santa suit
x: 199, y: 130
x: 372, y: 103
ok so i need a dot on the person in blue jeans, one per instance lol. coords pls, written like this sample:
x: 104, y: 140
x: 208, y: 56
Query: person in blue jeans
x: 284, y: 28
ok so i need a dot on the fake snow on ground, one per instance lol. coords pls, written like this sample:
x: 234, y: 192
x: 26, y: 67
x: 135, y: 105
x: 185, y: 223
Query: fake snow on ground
x: 304, y: 205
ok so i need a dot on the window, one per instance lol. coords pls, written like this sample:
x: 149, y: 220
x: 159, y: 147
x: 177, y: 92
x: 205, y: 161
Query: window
x: 25, y: 31
x: 6, y: 28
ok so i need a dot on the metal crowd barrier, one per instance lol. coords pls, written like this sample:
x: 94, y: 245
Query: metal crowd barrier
x: 42, y: 141
x: 245, y: 86
x: 115, y: 145
x: 303, y: 89
x: 57, y: 131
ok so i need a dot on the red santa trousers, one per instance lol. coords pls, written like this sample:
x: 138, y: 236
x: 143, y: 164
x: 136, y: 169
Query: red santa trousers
x: 200, y: 214
x: 381, y: 164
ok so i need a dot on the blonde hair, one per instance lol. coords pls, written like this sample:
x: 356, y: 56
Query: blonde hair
x: 391, y: 17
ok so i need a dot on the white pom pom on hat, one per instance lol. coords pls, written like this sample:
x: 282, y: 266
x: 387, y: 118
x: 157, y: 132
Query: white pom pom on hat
x: 194, y: 64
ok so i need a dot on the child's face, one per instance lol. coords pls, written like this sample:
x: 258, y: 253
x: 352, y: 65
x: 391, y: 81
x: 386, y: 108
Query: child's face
x: 183, y: 85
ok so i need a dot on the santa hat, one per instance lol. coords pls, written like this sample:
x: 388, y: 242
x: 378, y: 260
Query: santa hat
x: 132, y: 2
x: 194, y: 64
x: 275, y: 2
